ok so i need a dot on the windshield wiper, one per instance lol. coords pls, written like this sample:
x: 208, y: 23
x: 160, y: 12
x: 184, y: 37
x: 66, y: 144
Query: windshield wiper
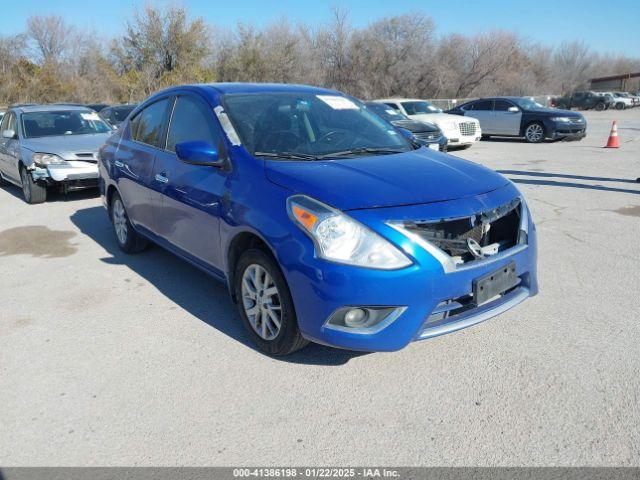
x: 290, y: 155
x: 365, y: 150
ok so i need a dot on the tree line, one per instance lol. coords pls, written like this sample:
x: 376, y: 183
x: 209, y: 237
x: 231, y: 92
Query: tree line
x: 402, y: 55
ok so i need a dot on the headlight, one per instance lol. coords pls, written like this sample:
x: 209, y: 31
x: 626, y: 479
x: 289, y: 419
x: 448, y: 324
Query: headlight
x: 561, y: 119
x: 339, y: 238
x: 44, y: 159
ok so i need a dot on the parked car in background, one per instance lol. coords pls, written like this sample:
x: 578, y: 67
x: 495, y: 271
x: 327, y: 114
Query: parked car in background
x: 51, y: 145
x: 628, y: 100
x: 458, y: 132
x: 96, y: 107
x: 583, y: 101
x: 523, y: 117
x: 117, y: 114
x: 424, y: 133
x: 326, y: 224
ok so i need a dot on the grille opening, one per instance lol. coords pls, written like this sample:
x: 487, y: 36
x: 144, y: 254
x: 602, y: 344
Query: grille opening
x: 467, y: 128
x: 496, y: 229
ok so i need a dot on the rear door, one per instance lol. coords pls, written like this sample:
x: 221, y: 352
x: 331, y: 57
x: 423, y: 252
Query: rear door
x: 134, y: 159
x: 506, y: 122
x: 189, y: 217
x: 482, y: 110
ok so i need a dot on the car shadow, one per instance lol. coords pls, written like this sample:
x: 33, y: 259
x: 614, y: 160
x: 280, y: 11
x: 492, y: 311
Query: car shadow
x: 191, y: 289
x: 54, y: 196
x: 564, y: 175
x: 554, y: 183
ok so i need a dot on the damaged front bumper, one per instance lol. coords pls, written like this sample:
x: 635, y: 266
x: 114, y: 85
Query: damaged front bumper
x: 72, y: 175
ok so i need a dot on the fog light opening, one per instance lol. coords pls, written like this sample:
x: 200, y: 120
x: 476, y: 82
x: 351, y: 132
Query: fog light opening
x: 364, y: 320
x: 356, y: 317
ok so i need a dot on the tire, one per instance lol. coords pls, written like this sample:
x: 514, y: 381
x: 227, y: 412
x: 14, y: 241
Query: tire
x: 619, y: 106
x: 534, y: 133
x: 600, y: 106
x: 128, y: 239
x: 32, y: 191
x: 267, y: 311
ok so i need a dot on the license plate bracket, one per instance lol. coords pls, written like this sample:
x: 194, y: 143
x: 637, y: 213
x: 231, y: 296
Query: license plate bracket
x: 495, y: 283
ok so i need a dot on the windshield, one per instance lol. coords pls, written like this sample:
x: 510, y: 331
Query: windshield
x: 307, y: 126
x: 62, y: 122
x: 419, y: 107
x: 528, y: 104
x: 385, y: 111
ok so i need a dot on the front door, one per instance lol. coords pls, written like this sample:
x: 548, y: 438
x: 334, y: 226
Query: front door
x: 9, y: 148
x: 191, y: 195
x: 506, y: 122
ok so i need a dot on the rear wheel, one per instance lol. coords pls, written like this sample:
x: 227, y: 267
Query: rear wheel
x: 619, y: 106
x: 534, y: 133
x: 32, y: 191
x: 265, y: 304
x: 128, y: 239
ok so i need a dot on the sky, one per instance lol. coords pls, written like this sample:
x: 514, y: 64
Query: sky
x: 612, y: 28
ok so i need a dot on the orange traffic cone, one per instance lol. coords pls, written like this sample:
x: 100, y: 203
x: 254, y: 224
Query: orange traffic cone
x: 613, y: 137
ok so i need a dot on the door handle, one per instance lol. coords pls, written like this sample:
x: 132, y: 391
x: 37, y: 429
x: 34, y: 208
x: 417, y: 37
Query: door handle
x: 161, y: 178
x: 118, y: 164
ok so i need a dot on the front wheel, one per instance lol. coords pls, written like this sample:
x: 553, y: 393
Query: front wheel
x: 32, y: 191
x: 600, y: 107
x: 534, y: 133
x: 128, y: 239
x: 265, y: 304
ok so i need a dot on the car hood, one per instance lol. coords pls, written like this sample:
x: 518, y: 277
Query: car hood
x: 440, y: 119
x: 417, y: 177
x: 66, y: 146
x: 415, y: 126
x: 558, y: 112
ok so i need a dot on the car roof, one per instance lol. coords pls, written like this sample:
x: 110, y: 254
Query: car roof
x: 235, y: 88
x: 52, y: 108
x: 383, y: 100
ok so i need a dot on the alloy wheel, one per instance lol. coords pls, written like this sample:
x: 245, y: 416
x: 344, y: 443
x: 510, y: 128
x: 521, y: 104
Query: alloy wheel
x: 261, y: 302
x: 120, y: 221
x: 534, y: 133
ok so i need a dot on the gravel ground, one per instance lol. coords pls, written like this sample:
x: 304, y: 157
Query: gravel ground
x: 108, y: 359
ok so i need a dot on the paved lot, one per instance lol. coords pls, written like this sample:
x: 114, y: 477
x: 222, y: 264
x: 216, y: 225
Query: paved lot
x: 107, y: 359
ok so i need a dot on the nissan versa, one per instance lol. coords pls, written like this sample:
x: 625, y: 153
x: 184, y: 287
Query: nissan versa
x: 327, y: 223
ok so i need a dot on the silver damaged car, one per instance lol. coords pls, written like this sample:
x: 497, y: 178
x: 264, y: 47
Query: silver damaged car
x: 44, y: 146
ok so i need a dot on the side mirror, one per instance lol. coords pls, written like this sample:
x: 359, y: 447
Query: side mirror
x: 513, y: 109
x: 198, y: 153
x: 9, y: 134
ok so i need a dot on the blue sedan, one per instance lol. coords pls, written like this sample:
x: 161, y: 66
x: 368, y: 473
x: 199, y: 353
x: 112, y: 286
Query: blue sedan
x: 325, y: 222
x: 523, y: 117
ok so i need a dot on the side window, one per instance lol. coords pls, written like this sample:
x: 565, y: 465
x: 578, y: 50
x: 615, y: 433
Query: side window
x: 502, y: 105
x: 148, y: 125
x: 393, y: 105
x: 5, y: 122
x: 192, y: 120
x: 483, y: 105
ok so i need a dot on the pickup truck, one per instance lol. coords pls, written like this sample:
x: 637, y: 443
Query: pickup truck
x: 583, y: 101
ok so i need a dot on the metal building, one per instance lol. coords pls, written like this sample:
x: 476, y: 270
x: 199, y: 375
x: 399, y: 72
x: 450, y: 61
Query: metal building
x: 627, y: 82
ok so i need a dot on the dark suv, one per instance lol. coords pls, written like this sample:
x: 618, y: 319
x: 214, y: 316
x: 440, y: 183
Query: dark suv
x: 584, y: 101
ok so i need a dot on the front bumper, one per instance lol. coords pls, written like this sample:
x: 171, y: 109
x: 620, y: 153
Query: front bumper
x: 455, y: 138
x: 569, y: 132
x: 319, y: 288
x: 73, y: 174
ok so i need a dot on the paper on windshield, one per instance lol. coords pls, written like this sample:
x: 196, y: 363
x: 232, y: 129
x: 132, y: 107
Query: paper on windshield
x: 338, y: 103
x: 90, y: 116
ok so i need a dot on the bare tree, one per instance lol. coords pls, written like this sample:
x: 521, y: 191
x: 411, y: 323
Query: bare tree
x: 51, y: 37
